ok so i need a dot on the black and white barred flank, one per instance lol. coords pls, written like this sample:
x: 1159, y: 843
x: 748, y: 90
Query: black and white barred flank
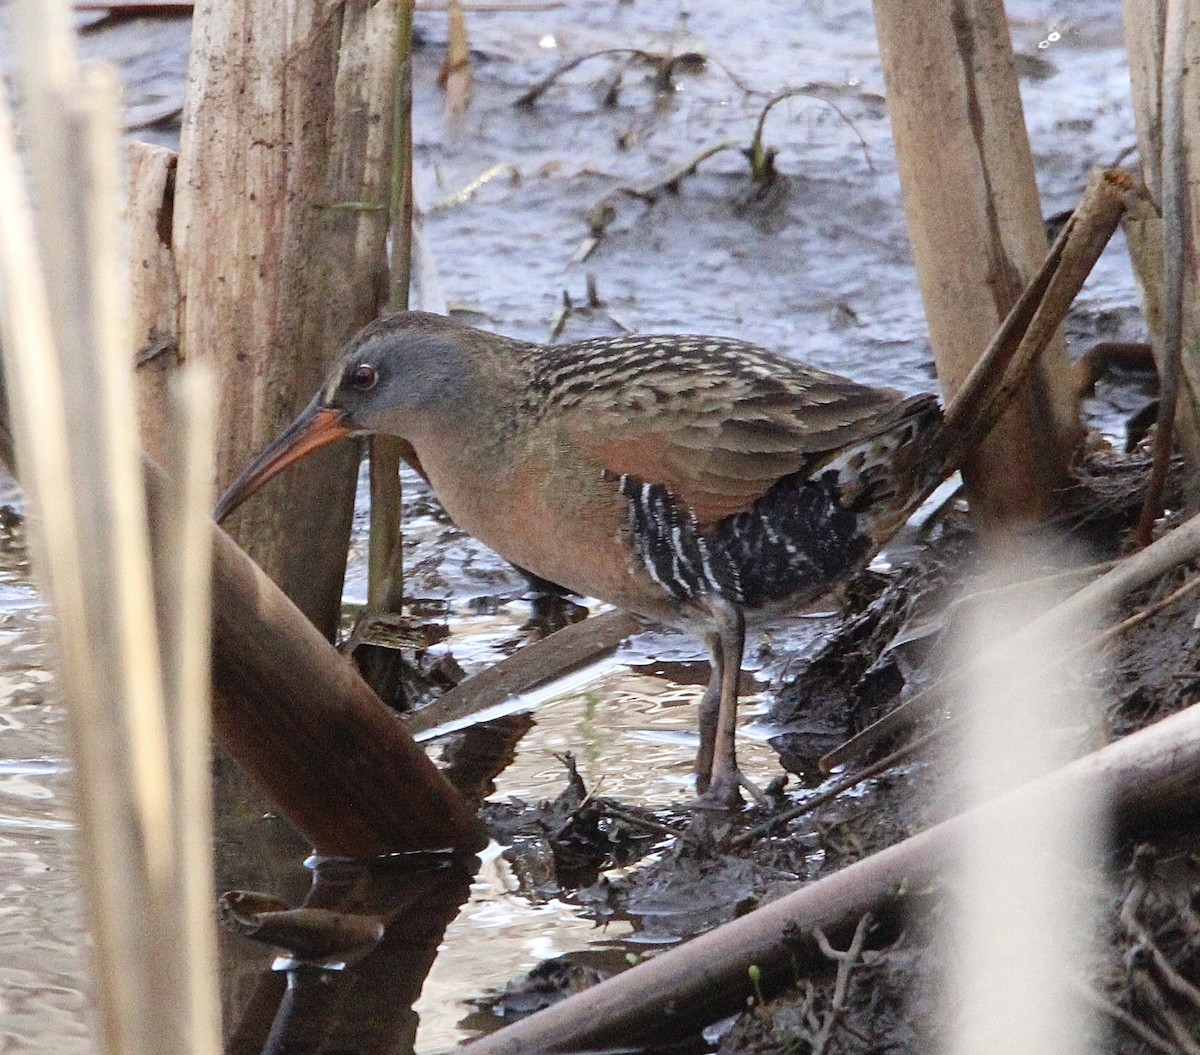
x: 795, y: 540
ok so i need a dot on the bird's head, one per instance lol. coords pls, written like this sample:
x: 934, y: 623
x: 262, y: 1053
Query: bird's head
x: 400, y: 376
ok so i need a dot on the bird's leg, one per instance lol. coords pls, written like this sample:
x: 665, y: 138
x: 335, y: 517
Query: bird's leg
x: 726, y: 779
x: 709, y: 706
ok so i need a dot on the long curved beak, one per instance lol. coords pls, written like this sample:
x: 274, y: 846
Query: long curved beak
x: 315, y: 427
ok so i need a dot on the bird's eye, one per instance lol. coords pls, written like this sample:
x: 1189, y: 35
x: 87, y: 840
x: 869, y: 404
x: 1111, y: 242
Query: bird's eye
x: 363, y: 377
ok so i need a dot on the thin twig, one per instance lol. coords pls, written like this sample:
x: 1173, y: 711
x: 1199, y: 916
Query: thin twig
x: 1147, y: 990
x: 533, y: 94
x: 832, y: 791
x: 846, y: 962
x: 1127, y: 915
x: 650, y: 824
x: 575, y: 814
x: 493, y: 8
x: 1142, y: 615
x: 1144, y: 940
x: 603, y: 213
x: 669, y: 183
x: 1123, y: 1018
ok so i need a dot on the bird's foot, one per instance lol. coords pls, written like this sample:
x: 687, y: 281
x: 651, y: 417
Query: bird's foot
x: 717, y: 797
x: 757, y: 793
x: 723, y: 792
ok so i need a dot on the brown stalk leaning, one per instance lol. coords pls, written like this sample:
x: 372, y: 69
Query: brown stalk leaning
x: 299, y: 719
x: 1032, y: 322
x: 1025, y: 331
x: 976, y: 235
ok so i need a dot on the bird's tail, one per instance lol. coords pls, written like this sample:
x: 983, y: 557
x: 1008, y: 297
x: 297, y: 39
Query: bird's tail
x: 886, y: 476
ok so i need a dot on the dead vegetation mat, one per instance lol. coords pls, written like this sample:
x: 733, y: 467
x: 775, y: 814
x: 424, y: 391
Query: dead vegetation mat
x: 675, y: 874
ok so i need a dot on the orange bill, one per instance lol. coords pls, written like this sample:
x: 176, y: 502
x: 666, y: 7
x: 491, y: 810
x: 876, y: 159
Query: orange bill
x: 315, y: 427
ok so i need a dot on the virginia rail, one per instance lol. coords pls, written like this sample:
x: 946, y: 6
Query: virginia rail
x: 691, y: 480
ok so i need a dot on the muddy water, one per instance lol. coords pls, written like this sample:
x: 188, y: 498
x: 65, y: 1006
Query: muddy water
x: 818, y: 268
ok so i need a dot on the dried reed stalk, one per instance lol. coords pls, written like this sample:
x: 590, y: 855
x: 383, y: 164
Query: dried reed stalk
x: 66, y: 366
x: 975, y: 225
x: 385, y: 563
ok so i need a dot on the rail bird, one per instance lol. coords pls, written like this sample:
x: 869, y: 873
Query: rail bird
x: 696, y: 481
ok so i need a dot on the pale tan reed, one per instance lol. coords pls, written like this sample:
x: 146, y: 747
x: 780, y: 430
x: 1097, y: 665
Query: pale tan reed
x: 1021, y: 918
x: 141, y: 772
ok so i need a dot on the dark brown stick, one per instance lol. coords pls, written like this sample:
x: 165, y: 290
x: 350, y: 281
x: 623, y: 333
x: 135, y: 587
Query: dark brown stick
x: 338, y: 763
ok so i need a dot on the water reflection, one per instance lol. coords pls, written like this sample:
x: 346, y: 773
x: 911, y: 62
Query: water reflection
x: 364, y: 1004
x: 355, y: 951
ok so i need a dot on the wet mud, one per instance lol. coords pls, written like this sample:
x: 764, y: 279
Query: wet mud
x: 707, y: 870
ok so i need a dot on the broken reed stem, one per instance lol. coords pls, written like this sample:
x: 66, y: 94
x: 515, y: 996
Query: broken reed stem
x: 1174, y: 191
x: 119, y: 798
x: 756, y: 152
x: 1179, y: 547
x: 456, y: 77
x: 536, y: 664
x: 1031, y: 324
x: 385, y: 565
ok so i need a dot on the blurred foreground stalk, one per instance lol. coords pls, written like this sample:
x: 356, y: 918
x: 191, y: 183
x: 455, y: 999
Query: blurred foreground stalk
x: 132, y: 638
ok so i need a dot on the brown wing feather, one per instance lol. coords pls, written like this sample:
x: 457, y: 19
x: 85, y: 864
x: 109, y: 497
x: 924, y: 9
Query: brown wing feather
x: 723, y: 454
